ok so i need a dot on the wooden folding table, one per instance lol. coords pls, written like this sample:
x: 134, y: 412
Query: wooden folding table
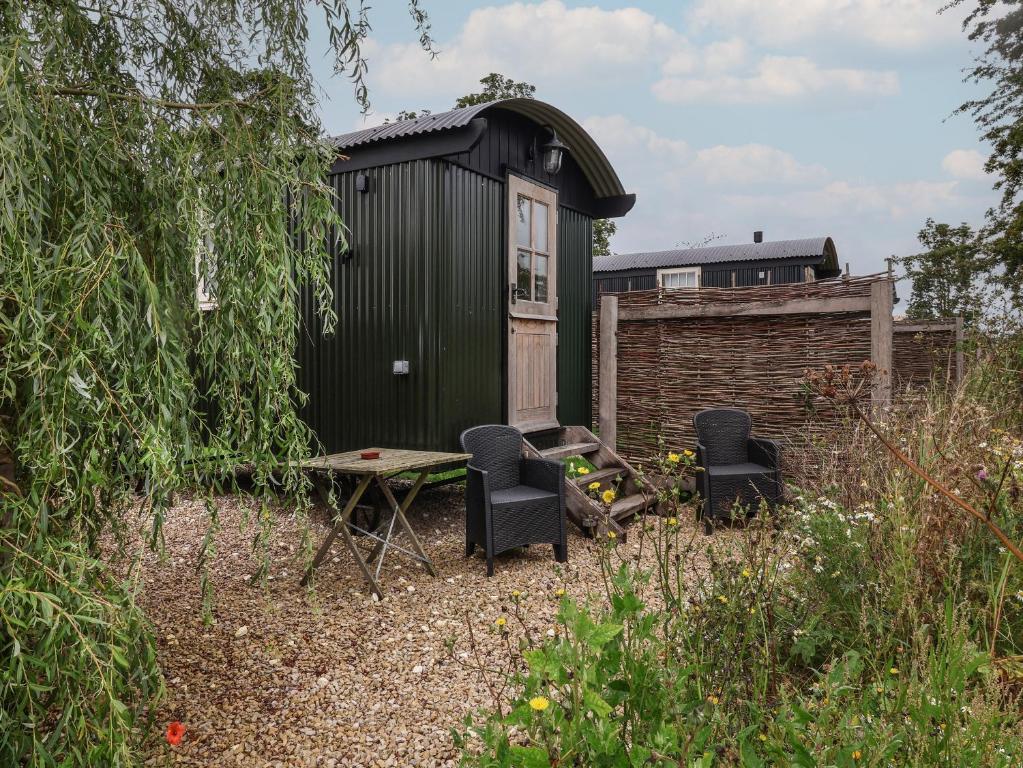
x: 375, y: 471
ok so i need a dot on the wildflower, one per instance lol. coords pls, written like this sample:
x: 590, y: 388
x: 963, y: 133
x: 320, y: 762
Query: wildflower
x: 712, y: 699
x: 688, y: 454
x: 612, y: 535
x: 539, y: 703
x: 856, y: 755
x: 746, y: 573
x: 175, y: 732
x: 982, y: 474
x: 672, y: 521
x: 516, y: 594
x: 1019, y: 595
x: 560, y: 592
x: 583, y: 471
x: 593, y: 486
x: 762, y: 737
x: 673, y: 458
x: 894, y: 670
x: 722, y: 599
x: 608, y: 496
x: 501, y: 621
x: 879, y: 688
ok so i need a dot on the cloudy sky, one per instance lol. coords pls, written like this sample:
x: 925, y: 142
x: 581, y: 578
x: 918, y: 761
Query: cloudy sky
x: 797, y: 117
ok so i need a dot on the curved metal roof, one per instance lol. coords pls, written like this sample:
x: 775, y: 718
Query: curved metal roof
x: 822, y: 248
x: 584, y: 149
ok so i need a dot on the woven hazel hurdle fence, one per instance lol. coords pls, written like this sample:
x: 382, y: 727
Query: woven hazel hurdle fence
x: 666, y: 354
x: 926, y: 351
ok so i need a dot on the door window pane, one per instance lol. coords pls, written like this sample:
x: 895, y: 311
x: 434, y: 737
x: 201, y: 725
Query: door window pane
x: 540, y: 292
x: 522, y: 280
x: 540, y: 221
x: 522, y: 221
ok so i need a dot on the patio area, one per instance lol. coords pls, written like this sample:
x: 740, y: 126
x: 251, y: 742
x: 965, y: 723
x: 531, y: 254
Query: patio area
x: 336, y: 678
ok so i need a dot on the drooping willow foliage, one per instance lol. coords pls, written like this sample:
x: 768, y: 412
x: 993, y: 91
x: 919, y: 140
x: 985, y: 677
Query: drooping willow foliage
x: 143, y: 142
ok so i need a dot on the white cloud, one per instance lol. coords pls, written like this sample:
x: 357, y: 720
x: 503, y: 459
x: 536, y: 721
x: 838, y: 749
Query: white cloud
x: 893, y: 24
x: 965, y: 164
x: 776, y: 78
x: 839, y: 200
x: 754, y: 164
x: 536, y: 42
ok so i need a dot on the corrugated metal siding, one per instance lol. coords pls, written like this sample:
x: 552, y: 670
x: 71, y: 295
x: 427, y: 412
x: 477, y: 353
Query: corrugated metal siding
x: 387, y: 304
x: 575, y: 255
x: 471, y: 276
x: 506, y: 144
x: 619, y: 282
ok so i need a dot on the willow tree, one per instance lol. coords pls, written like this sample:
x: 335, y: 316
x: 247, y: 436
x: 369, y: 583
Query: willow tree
x: 144, y: 145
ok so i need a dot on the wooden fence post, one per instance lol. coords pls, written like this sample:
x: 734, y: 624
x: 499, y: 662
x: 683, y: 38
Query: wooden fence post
x: 959, y: 351
x: 608, y: 375
x: 881, y: 340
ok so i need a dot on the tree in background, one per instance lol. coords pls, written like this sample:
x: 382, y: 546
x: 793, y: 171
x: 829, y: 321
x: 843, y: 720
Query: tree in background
x: 948, y: 276
x: 496, y: 86
x: 603, y: 231
x: 137, y: 138
x: 999, y: 115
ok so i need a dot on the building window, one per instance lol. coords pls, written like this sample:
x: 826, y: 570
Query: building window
x: 684, y: 277
x: 205, y: 267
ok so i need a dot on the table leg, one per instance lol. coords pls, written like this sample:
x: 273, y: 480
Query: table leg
x: 399, y: 511
x: 341, y: 526
x: 405, y: 502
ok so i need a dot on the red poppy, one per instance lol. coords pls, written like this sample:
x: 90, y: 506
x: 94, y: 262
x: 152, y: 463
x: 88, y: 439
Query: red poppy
x: 175, y: 731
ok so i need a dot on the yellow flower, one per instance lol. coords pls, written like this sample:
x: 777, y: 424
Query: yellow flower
x: 722, y: 599
x: 516, y: 593
x: 501, y: 621
x: 560, y: 592
x: 688, y: 454
x: 593, y: 486
x: 608, y: 496
x: 672, y: 521
x: 856, y: 755
x: 583, y: 471
x: 879, y: 688
x: 894, y: 670
x: 746, y: 572
x: 712, y: 699
x: 612, y: 535
x: 673, y: 458
x: 762, y: 737
x: 539, y: 703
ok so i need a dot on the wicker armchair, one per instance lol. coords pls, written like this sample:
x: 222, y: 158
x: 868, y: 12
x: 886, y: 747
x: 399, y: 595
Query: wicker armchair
x: 735, y: 465
x: 511, y: 501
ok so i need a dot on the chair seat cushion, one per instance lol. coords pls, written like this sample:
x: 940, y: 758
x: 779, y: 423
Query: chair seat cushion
x: 521, y: 494
x: 736, y: 470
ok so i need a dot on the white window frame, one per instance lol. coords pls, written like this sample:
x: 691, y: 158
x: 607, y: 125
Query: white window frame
x: 680, y: 271
x: 205, y: 279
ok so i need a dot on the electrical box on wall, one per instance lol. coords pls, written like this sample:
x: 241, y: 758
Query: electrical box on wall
x: 362, y: 183
x: 400, y: 367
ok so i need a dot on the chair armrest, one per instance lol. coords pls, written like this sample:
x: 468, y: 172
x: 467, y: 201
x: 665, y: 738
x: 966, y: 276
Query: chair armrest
x: 544, y: 474
x: 477, y: 485
x: 701, y: 454
x: 765, y: 452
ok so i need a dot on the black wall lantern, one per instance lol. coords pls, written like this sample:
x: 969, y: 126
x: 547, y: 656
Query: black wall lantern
x: 553, y: 151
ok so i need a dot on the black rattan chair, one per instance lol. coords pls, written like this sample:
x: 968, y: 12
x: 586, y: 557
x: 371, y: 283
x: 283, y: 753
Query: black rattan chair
x: 511, y: 501
x: 736, y: 467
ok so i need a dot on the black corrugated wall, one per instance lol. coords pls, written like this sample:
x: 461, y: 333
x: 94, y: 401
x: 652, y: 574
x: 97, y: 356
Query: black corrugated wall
x: 575, y: 264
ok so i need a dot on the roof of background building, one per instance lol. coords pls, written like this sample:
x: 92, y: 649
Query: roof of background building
x: 822, y: 248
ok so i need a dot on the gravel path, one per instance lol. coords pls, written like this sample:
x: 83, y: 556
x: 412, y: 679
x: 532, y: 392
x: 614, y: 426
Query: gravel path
x: 285, y: 677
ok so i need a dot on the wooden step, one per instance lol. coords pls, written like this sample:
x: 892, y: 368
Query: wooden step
x: 601, y: 475
x: 631, y: 505
x: 572, y: 449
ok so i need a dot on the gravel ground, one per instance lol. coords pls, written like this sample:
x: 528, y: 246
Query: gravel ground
x: 289, y: 677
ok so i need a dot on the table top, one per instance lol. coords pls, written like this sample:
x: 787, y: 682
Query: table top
x: 392, y: 460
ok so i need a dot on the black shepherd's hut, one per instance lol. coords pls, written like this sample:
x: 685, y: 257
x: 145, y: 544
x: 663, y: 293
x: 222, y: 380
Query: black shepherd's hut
x: 464, y: 295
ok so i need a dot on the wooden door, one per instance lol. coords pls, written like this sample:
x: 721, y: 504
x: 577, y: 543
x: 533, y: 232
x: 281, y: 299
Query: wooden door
x: 532, y: 305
